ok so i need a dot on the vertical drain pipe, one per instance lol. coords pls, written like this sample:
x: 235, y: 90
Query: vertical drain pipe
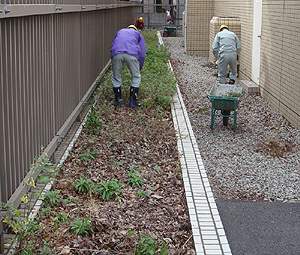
x: 185, y: 24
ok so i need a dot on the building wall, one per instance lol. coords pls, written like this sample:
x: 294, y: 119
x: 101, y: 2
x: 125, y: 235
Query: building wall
x: 198, y: 15
x: 280, y: 64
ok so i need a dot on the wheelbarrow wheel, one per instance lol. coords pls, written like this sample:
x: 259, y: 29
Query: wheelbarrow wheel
x: 225, y: 119
x: 166, y: 34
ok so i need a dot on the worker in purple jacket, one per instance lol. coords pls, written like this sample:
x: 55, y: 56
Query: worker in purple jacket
x: 127, y: 47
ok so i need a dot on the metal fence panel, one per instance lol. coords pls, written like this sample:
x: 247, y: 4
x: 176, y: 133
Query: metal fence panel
x: 47, y: 64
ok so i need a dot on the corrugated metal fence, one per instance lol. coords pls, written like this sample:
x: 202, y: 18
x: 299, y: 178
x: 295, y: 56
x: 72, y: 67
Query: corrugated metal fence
x: 51, y: 54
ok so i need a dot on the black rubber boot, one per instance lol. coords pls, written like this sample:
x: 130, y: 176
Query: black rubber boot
x: 133, y: 97
x: 117, y: 92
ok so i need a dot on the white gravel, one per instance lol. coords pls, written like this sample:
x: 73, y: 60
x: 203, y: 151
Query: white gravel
x: 239, y: 164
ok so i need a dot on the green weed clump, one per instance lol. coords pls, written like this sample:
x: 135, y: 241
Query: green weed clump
x: 148, y: 246
x: 84, y: 185
x: 89, y: 154
x: 52, y: 198
x: 134, y: 180
x: 82, y: 227
x: 108, y: 190
x: 93, y: 123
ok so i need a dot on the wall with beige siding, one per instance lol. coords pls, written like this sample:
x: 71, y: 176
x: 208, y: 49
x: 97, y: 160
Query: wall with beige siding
x: 198, y: 15
x: 280, y: 65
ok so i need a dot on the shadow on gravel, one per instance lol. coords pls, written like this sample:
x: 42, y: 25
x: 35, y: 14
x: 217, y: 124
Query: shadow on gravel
x: 261, y: 228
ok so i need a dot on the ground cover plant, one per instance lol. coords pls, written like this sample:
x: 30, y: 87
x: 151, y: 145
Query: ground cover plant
x: 120, y: 191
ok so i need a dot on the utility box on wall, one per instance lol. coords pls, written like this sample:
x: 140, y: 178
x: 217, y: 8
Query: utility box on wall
x: 234, y: 25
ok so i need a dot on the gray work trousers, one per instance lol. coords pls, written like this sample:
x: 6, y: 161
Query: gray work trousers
x: 227, y: 58
x: 133, y: 65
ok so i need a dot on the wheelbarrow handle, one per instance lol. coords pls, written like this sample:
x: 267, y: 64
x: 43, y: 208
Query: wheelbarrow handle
x: 208, y: 97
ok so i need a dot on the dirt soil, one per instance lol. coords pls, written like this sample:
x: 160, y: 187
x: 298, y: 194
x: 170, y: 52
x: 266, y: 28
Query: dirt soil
x: 140, y: 141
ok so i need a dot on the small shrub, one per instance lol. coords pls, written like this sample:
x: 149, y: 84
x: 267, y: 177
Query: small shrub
x: 26, y: 231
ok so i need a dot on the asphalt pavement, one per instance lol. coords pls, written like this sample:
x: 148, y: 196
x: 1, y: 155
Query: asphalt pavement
x: 261, y: 228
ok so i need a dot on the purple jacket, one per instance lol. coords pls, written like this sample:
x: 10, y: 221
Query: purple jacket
x: 130, y: 41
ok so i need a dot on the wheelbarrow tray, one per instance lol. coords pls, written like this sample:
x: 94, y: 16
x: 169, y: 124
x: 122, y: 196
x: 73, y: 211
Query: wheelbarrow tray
x: 225, y: 97
x: 170, y: 29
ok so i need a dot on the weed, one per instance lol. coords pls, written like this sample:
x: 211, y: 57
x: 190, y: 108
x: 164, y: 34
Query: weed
x: 52, y: 198
x: 146, y: 246
x: 89, y: 154
x: 234, y: 94
x: 151, y: 188
x: 45, y: 166
x: 120, y: 163
x: 25, y: 230
x: 93, y: 122
x: 149, y: 246
x: 81, y: 227
x: 142, y: 194
x: 134, y: 180
x: 45, y: 212
x: 72, y: 200
x: 203, y: 110
x: 44, y: 249
x: 157, y: 168
x: 62, y: 217
x: 141, y: 117
x: 83, y: 185
x: 108, y: 190
x: 111, y: 144
x: 132, y: 168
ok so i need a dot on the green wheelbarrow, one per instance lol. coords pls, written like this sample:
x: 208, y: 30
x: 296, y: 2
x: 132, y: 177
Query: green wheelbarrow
x: 169, y: 30
x: 225, y: 98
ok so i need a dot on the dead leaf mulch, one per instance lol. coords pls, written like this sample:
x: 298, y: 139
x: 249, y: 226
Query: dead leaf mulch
x: 141, y: 141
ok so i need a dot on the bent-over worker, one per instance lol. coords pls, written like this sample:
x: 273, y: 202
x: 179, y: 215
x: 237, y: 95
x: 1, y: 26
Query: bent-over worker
x: 127, y: 47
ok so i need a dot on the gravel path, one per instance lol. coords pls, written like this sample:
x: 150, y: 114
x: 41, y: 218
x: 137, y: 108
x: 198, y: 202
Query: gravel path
x: 243, y: 165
